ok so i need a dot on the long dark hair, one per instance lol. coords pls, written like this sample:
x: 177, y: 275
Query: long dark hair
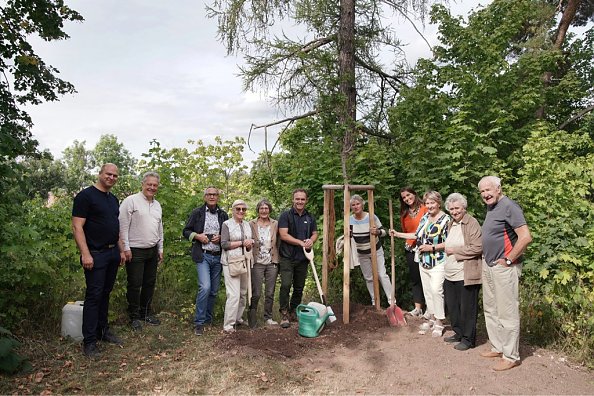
x: 403, y: 205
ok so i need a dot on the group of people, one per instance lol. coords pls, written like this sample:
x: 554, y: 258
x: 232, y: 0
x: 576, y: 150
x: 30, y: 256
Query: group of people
x: 109, y: 235
x: 449, y: 257
x: 249, y: 254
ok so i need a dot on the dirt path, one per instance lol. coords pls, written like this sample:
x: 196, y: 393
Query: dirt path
x: 369, y: 357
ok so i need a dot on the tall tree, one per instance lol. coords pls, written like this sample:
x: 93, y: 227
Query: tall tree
x: 78, y: 163
x: 333, y: 72
x: 108, y: 149
x: 24, y: 77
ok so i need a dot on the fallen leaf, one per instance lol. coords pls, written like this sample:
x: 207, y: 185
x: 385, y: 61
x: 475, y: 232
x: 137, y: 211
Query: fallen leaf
x: 123, y: 364
x: 161, y: 337
x: 67, y: 363
x: 46, y: 392
x: 317, y: 370
x: 39, y: 376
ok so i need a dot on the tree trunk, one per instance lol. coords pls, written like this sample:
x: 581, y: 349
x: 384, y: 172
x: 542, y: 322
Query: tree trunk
x: 347, y: 111
x: 566, y: 19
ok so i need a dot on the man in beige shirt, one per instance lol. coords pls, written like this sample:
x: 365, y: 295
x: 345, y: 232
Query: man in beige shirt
x: 141, y: 231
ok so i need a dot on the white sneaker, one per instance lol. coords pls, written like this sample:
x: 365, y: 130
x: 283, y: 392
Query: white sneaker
x: 417, y: 313
x: 271, y: 322
x: 427, y: 315
x: 426, y: 326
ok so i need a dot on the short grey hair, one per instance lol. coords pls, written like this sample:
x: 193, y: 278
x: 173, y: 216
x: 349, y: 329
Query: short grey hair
x: 151, y: 174
x: 209, y: 187
x: 357, y: 198
x: 456, y: 197
x: 238, y: 202
x: 434, y: 195
x: 493, y: 180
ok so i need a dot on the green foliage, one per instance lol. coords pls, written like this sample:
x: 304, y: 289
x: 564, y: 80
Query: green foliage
x: 10, y: 361
x: 39, y: 255
x: 32, y: 80
x: 556, y: 187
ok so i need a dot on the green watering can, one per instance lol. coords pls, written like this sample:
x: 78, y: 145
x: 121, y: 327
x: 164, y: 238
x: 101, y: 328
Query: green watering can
x: 311, y: 321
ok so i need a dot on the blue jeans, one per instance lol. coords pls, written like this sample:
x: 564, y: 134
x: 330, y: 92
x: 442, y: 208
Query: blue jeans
x: 209, y: 280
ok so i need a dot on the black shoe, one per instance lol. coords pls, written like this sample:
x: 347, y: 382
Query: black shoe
x: 151, y: 320
x: 453, y: 338
x: 136, y: 325
x: 108, y: 336
x: 285, y: 320
x: 199, y: 330
x: 461, y: 347
x: 91, y: 351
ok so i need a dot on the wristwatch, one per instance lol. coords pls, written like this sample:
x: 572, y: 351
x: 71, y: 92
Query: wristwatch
x: 508, y: 262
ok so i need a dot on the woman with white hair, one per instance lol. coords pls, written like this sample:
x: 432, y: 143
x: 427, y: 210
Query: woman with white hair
x: 236, y: 242
x: 361, y: 233
x: 463, y: 267
x: 431, y: 235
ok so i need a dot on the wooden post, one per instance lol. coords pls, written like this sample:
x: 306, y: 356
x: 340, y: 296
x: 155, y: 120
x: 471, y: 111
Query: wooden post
x: 328, y: 203
x: 346, y: 295
x: 372, y: 242
x: 347, y: 241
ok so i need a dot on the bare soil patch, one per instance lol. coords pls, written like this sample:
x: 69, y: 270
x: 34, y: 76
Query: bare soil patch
x: 367, y: 356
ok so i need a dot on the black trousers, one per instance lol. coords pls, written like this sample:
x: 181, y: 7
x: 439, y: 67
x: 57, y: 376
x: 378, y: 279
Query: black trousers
x: 292, y: 273
x: 415, y: 278
x: 100, y: 280
x: 462, y: 304
x: 142, y: 276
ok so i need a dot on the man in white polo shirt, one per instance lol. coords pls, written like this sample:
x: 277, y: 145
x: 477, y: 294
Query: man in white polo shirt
x: 141, y: 231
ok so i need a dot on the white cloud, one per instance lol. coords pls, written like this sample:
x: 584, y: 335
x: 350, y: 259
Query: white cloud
x: 151, y: 70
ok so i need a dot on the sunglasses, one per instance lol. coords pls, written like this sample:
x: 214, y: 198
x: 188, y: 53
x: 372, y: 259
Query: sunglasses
x: 241, y: 209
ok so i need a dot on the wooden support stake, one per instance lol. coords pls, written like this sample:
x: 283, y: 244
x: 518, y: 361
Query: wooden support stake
x: 372, y: 242
x: 347, y: 257
x: 328, y: 206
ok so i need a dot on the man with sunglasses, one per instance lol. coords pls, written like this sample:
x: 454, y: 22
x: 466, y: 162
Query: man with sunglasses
x: 203, y: 229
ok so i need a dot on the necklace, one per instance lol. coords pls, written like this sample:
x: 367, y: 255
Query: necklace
x: 413, y: 212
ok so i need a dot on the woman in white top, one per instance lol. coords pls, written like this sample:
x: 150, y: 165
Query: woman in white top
x: 236, y: 240
x: 361, y: 233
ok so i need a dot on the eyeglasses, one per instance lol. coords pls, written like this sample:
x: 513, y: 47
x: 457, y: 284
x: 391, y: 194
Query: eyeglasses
x: 211, y: 194
x: 241, y: 209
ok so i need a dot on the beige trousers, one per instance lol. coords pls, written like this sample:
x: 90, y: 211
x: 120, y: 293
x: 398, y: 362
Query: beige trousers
x: 501, y: 305
x: 236, y: 290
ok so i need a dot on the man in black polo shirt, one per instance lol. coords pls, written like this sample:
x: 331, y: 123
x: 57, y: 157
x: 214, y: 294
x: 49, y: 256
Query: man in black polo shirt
x: 96, y: 231
x: 297, y: 230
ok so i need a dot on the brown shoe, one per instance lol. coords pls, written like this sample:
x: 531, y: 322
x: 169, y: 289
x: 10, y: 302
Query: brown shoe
x: 505, y: 364
x: 491, y: 354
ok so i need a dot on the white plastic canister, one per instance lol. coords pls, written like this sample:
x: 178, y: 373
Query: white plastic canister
x: 72, y: 315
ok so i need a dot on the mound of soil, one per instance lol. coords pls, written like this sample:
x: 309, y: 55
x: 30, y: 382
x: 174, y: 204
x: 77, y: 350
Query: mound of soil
x: 276, y: 341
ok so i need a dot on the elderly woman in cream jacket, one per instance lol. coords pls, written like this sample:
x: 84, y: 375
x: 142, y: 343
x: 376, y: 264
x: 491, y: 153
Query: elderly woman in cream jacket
x: 463, y: 267
x: 236, y: 240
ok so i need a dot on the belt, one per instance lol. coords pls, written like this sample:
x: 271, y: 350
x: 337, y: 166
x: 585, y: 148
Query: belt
x: 213, y: 252
x: 104, y: 247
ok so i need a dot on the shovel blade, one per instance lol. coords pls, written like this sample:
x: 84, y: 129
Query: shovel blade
x: 395, y: 316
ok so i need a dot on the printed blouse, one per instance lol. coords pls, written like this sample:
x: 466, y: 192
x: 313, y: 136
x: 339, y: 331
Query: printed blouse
x: 432, y: 233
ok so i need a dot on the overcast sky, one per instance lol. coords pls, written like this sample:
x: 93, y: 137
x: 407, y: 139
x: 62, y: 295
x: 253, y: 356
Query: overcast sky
x: 149, y: 69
